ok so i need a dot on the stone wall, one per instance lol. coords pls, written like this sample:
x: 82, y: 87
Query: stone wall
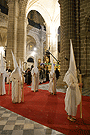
x: 75, y: 24
x: 85, y: 41
x: 3, y: 29
x: 39, y: 36
x: 68, y: 31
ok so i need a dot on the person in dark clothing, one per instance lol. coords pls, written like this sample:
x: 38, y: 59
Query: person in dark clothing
x: 32, y: 67
x: 57, y: 73
x: 28, y: 76
x: 25, y: 75
x: 8, y: 69
x: 42, y: 75
x: 47, y: 74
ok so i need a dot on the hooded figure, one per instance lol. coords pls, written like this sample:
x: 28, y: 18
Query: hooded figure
x: 35, y: 76
x: 3, y: 74
x: 42, y: 74
x: 73, y: 95
x: 16, y: 82
x: 52, y: 78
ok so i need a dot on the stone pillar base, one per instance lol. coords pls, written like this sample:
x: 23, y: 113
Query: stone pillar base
x: 86, y: 81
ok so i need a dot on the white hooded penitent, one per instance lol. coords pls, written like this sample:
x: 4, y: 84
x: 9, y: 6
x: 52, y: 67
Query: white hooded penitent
x: 71, y: 79
x: 16, y: 72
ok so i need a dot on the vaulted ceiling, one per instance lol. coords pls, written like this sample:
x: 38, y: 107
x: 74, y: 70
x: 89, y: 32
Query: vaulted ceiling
x: 49, y: 9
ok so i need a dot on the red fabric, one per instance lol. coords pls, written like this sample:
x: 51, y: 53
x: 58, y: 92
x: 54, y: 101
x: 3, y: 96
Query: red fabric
x: 49, y: 110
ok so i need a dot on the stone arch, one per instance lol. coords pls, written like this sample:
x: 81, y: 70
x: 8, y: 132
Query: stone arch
x: 41, y: 10
x: 33, y: 5
x: 30, y: 56
x: 51, y: 17
x: 35, y: 37
x: 30, y: 59
x: 30, y: 44
x: 38, y: 44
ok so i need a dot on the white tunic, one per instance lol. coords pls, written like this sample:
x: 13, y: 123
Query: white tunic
x: 2, y: 84
x: 73, y: 96
x: 52, y: 83
x: 16, y: 91
x: 35, y: 79
x: 16, y: 86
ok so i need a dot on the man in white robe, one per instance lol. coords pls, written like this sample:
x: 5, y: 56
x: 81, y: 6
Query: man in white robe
x: 52, y: 78
x: 35, y: 77
x: 3, y: 74
x: 73, y: 95
x: 16, y: 83
x: 2, y: 84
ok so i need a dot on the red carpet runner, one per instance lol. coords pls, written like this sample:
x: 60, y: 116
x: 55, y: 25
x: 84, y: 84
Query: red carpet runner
x: 49, y: 110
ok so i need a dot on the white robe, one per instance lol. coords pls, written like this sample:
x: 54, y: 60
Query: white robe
x: 16, y: 91
x: 2, y: 84
x: 73, y: 96
x: 16, y: 86
x: 35, y: 81
x: 52, y: 83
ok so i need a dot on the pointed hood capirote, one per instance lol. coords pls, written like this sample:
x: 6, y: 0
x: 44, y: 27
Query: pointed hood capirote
x: 71, y: 75
x: 16, y: 72
x: 72, y: 71
x: 14, y: 61
x: 72, y: 66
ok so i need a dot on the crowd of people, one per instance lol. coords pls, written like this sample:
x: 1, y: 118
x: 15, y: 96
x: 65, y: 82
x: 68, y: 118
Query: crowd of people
x: 44, y: 74
x: 34, y: 76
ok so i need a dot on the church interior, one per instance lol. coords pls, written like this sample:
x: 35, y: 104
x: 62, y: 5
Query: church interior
x: 41, y: 30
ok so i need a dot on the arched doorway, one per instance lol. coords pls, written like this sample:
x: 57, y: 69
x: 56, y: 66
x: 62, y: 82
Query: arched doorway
x: 37, y: 30
x: 30, y: 62
x: 50, y: 11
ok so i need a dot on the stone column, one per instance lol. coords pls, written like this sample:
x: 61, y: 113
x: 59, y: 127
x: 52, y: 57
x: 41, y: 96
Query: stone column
x: 16, y: 36
x: 10, y: 32
x: 68, y: 30
x: 15, y: 27
x: 21, y: 39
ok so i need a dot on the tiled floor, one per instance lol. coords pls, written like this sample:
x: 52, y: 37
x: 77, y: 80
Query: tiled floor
x: 15, y: 124
x: 85, y: 92
x: 46, y: 86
